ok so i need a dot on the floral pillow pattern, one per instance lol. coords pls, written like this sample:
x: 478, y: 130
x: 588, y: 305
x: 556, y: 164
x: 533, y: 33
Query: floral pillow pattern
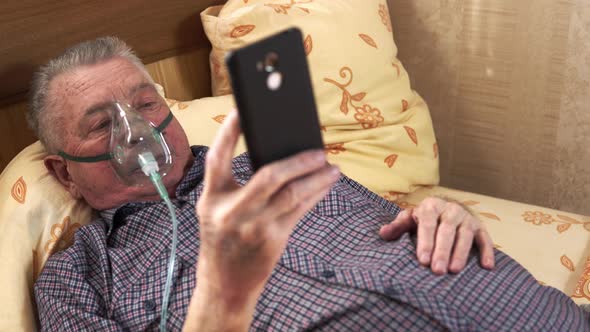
x: 375, y: 127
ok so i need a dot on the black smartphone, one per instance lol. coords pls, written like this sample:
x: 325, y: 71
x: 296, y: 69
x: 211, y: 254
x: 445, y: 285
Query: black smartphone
x: 273, y: 92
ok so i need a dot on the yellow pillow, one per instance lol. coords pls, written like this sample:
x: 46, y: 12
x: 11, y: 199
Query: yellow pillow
x: 201, y: 118
x: 38, y: 217
x: 376, y: 128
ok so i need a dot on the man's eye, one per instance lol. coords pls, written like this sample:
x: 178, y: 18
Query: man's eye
x: 148, y: 106
x: 102, y: 125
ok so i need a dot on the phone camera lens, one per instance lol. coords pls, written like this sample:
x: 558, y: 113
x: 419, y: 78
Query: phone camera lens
x: 271, y: 62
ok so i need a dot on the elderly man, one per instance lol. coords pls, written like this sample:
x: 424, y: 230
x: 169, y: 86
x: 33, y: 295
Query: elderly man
x: 294, y: 246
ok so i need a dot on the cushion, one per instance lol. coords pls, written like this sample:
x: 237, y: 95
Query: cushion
x: 39, y: 217
x: 551, y: 244
x: 376, y: 128
x: 201, y: 118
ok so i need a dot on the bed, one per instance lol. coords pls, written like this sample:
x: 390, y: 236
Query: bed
x: 505, y: 107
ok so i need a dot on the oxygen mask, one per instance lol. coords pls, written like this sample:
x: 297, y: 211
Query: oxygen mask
x: 136, y: 147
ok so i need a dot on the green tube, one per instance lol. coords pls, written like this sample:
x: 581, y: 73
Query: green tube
x: 157, y: 181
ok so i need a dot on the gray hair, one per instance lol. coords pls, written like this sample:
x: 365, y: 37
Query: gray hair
x: 86, y: 53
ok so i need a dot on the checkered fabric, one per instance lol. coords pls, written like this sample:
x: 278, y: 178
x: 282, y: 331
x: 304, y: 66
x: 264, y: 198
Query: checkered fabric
x: 336, y: 274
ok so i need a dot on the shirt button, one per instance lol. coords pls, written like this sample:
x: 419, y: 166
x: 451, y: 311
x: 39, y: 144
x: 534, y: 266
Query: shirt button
x: 150, y: 305
x: 328, y: 274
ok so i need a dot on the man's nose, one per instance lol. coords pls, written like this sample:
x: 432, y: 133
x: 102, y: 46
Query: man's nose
x: 135, y: 138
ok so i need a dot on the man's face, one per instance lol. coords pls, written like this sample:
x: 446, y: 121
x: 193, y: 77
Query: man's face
x: 78, y: 99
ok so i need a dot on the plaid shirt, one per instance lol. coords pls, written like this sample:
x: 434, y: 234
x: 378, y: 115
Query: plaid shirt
x: 336, y: 274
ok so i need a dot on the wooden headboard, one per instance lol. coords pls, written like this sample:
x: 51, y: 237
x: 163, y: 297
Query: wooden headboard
x: 33, y: 31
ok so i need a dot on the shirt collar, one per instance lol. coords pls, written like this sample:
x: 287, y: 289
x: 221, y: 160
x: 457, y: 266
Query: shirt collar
x: 111, y: 217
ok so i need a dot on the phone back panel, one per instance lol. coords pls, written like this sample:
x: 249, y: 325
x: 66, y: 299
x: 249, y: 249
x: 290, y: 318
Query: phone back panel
x: 276, y: 123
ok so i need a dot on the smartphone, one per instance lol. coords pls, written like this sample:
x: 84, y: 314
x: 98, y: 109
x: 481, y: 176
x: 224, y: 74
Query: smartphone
x: 273, y: 92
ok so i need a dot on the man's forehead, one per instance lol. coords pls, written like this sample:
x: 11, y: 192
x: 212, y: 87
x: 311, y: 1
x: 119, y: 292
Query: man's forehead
x: 102, y: 106
x: 116, y: 79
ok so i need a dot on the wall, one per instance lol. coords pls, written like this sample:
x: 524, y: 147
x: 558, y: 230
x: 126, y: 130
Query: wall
x: 508, y: 87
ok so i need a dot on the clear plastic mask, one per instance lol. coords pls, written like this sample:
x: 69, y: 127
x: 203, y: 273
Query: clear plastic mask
x: 132, y: 136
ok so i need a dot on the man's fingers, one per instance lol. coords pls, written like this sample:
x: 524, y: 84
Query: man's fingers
x: 291, y: 195
x: 486, y: 249
x: 463, y: 243
x: 402, y: 224
x: 426, y: 216
x: 218, y: 172
x: 271, y: 178
x: 445, y: 237
x: 452, y: 216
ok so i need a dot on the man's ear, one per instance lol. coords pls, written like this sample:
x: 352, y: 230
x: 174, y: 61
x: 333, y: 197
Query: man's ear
x: 58, y: 168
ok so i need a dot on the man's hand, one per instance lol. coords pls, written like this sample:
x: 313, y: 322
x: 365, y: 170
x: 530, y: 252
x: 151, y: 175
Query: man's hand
x: 446, y: 231
x: 244, y: 230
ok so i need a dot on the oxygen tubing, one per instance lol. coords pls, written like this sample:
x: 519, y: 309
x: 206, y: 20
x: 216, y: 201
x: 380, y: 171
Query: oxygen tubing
x: 150, y: 167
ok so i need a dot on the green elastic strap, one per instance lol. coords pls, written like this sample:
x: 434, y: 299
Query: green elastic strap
x: 165, y: 123
x: 108, y: 156
x: 102, y: 157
